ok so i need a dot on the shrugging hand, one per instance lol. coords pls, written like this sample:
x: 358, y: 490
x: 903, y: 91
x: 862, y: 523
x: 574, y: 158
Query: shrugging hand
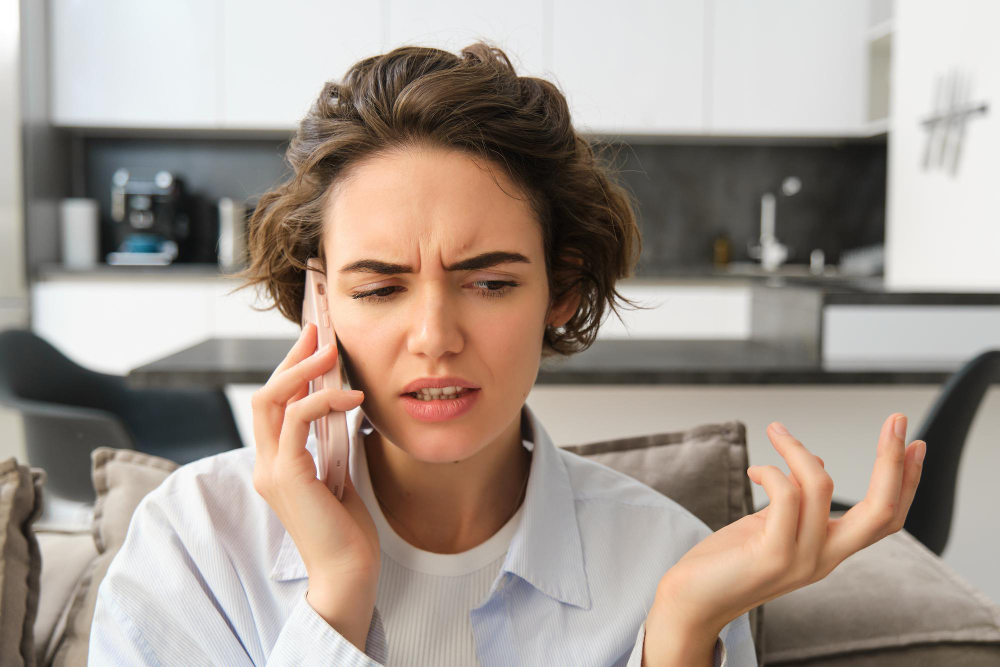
x: 789, y: 544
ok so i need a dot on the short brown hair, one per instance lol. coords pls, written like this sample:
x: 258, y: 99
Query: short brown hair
x: 474, y: 103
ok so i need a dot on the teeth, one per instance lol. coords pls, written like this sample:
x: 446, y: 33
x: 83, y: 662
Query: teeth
x: 443, y: 393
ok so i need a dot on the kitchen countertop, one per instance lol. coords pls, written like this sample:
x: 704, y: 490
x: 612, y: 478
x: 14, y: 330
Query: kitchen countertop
x: 221, y: 361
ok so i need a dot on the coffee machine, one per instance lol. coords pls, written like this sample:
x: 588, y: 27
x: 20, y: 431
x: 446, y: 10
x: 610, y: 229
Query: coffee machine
x: 159, y: 222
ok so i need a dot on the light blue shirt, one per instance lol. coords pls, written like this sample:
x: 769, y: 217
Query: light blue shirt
x: 208, y: 575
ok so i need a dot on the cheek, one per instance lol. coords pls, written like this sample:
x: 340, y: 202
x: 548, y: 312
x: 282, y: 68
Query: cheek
x: 511, y: 335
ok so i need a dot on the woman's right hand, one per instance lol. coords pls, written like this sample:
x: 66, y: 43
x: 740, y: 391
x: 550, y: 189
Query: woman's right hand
x: 337, y: 539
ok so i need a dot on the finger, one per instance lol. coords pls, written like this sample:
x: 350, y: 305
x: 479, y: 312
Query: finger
x: 301, y: 414
x: 303, y: 347
x: 911, y: 478
x: 282, y: 388
x: 782, y: 510
x: 791, y: 475
x: 865, y: 523
x: 267, y: 418
x: 816, y: 491
x: 884, y: 489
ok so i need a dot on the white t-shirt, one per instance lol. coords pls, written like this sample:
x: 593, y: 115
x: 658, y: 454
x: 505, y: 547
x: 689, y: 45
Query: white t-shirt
x: 425, y: 598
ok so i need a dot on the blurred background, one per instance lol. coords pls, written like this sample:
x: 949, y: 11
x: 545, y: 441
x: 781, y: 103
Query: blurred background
x: 818, y: 187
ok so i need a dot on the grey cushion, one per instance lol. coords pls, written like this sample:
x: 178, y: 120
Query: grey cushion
x: 20, y: 560
x: 892, y: 603
x: 122, y: 478
x: 702, y: 468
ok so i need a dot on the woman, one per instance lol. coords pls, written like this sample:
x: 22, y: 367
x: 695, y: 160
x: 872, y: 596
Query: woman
x: 466, y: 232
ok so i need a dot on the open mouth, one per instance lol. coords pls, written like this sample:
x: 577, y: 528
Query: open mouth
x: 442, y: 394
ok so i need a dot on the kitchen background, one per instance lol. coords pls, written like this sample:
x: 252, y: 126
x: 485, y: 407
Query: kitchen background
x: 873, y: 124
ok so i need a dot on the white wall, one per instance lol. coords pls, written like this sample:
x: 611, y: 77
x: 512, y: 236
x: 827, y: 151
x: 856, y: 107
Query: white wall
x: 943, y: 230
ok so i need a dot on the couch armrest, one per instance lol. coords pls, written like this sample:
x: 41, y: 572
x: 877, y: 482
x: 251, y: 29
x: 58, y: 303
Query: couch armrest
x: 892, y: 603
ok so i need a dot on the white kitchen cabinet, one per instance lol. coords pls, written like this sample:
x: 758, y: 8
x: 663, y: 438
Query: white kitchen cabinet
x: 784, y: 67
x: 635, y: 68
x: 114, y: 324
x: 275, y: 57
x: 943, y: 204
x: 121, y: 63
x: 703, y: 310
x: 857, y: 335
x: 516, y: 26
x: 674, y: 67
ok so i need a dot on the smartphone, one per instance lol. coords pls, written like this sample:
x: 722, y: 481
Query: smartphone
x: 332, y: 442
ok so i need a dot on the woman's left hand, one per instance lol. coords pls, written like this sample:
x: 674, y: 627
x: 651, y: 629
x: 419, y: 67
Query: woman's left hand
x: 789, y: 544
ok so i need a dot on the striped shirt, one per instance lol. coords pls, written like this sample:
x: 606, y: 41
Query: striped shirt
x: 426, y: 598
x: 208, y: 575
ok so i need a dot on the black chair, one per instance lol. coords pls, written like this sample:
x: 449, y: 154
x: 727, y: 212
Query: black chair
x: 945, y: 429
x: 68, y: 411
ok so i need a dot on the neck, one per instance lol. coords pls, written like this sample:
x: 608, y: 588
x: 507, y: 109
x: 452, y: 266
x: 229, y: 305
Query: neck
x: 468, y: 501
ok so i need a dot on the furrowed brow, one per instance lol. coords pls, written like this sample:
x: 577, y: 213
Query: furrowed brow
x: 483, y: 261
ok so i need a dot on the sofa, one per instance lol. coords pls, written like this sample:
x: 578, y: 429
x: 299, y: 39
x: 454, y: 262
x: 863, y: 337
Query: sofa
x: 893, y: 603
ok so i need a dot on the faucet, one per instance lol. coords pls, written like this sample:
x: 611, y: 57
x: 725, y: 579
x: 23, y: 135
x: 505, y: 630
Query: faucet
x: 770, y: 251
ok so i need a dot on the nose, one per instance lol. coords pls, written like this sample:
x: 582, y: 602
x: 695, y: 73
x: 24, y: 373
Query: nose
x: 435, y: 325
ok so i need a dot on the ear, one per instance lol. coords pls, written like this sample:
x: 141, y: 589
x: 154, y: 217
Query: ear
x: 561, y: 312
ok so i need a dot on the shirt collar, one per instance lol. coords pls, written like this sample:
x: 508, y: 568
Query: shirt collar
x: 546, y: 550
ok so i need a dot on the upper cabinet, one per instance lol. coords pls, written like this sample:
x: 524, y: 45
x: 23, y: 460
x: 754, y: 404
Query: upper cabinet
x: 122, y: 63
x: 276, y: 56
x: 786, y: 67
x: 516, y: 26
x: 690, y: 67
x: 636, y: 69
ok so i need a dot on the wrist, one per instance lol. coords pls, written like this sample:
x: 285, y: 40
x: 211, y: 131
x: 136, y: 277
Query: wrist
x: 669, y: 642
x: 677, y: 637
x: 347, y: 612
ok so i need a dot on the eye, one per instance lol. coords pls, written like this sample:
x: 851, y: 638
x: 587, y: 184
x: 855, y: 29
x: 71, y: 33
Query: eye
x: 505, y: 287
x: 380, y: 295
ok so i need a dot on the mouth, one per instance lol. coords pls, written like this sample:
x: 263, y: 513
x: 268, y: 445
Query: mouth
x: 425, y: 406
x: 440, y: 394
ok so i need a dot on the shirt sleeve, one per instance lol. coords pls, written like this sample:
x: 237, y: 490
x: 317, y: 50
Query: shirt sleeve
x: 733, y: 648
x: 155, y: 606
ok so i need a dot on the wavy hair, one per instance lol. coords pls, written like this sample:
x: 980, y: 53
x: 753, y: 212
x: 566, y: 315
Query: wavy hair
x: 476, y: 103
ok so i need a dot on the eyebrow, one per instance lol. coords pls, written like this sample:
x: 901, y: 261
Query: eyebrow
x: 483, y: 261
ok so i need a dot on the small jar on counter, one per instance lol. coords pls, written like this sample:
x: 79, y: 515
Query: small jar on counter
x: 721, y: 250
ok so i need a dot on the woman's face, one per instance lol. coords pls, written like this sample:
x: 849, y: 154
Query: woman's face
x: 427, y: 209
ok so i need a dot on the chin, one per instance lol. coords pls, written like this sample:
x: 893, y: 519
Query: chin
x: 439, y: 450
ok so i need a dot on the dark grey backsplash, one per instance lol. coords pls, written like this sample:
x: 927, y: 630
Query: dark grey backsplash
x: 687, y: 192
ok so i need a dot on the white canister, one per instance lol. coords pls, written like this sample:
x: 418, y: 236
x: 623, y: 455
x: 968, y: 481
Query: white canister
x: 79, y: 222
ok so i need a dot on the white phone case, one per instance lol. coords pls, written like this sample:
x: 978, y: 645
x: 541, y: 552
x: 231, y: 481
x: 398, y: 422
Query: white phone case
x: 332, y: 441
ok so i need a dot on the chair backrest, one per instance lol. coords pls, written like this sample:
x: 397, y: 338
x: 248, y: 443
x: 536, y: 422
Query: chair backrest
x: 32, y: 368
x: 69, y: 410
x: 945, y: 430
x: 60, y: 441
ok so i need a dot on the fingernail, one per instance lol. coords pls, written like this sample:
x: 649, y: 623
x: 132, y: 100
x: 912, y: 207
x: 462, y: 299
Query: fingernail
x: 780, y: 428
x: 900, y: 427
x: 357, y: 393
x: 921, y: 450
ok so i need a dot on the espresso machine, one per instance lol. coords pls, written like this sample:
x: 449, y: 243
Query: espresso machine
x: 159, y: 222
